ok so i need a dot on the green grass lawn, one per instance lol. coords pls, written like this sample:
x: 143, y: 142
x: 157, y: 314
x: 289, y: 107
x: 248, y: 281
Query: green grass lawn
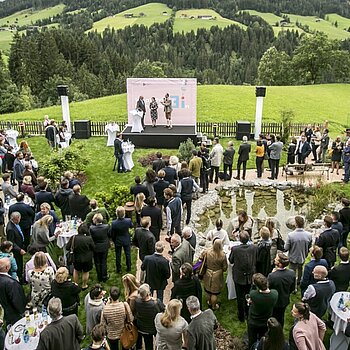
x: 184, y: 22
x: 153, y: 13
x: 343, y: 22
x: 24, y: 17
x: 227, y: 103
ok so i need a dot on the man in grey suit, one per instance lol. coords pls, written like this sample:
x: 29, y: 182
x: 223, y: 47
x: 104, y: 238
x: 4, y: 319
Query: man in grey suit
x: 243, y: 151
x: 182, y: 254
x: 7, y: 188
x: 275, y: 156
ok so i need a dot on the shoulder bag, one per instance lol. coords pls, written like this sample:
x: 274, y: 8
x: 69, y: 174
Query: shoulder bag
x: 129, y: 333
x: 203, y: 268
x: 70, y: 254
x: 279, y: 241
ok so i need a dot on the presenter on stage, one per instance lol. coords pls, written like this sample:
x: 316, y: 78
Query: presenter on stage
x: 153, y: 106
x: 140, y: 106
x: 167, y: 103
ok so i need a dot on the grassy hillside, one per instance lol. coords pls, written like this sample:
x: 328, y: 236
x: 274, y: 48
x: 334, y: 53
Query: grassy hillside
x: 153, y: 13
x: 220, y: 103
x: 327, y: 26
x: 25, y: 17
x: 187, y: 20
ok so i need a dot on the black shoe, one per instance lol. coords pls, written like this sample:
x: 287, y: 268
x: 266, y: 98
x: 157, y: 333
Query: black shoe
x: 270, y: 178
x: 237, y: 178
x: 105, y: 279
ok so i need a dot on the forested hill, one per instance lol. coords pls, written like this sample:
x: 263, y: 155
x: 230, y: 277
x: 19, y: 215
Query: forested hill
x: 226, y: 8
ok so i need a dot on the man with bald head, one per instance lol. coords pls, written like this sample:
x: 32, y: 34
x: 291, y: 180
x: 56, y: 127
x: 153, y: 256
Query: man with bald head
x: 78, y: 203
x: 95, y: 209
x: 319, y: 294
x: 12, y: 297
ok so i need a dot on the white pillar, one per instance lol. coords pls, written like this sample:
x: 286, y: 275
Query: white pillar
x: 65, y: 112
x: 260, y: 92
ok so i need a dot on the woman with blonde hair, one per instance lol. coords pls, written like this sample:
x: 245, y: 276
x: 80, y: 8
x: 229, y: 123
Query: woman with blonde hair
x: 40, y: 279
x: 67, y: 291
x: 139, y: 204
x: 41, y: 233
x: 171, y: 327
x: 131, y: 287
x: 270, y: 224
x: 213, y: 279
x: 27, y: 187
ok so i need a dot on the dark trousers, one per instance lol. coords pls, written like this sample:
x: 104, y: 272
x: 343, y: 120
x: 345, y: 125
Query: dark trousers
x: 19, y: 260
x: 160, y: 293
x: 26, y: 234
x: 314, y: 150
x: 175, y: 228
x: 298, y: 269
x: 188, y: 209
x: 239, y: 163
x: 301, y: 159
x: 121, y: 166
x: 114, y: 344
x: 211, y: 175
x: 344, y: 238
x: 227, y: 167
x: 278, y: 313
x: 118, y: 255
x: 241, y: 291
x: 204, y: 180
x: 255, y: 333
x: 275, y: 163
x: 148, y: 339
x: 259, y: 161
x: 143, y: 121
x: 346, y: 171
x: 101, y: 265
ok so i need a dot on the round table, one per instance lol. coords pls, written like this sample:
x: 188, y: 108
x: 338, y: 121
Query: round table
x: 64, y: 237
x: 231, y: 290
x: 136, y: 120
x: 111, y: 130
x: 16, y: 332
x: 11, y: 136
x: 128, y: 149
x: 339, y: 341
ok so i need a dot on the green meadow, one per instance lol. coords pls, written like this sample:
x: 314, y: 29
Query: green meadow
x: 226, y: 103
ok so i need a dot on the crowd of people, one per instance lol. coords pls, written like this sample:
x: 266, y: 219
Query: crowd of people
x: 261, y: 278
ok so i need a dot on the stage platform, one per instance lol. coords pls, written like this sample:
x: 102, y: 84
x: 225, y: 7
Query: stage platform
x: 161, y: 137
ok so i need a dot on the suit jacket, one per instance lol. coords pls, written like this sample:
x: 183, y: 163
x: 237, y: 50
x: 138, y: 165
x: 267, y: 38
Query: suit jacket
x: 12, y: 298
x: 159, y: 186
x: 284, y: 282
x: 100, y: 235
x: 139, y: 188
x: 156, y: 219
x: 15, y: 237
x: 170, y: 175
x: 65, y: 333
x: 18, y: 170
x: 44, y: 196
x: 305, y: 149
x: 243, y: 151
x: 120, y: 231
x: 8, y: 190
x: 27, y: 214
x: 118, y: 147
x: 157, y: 271
x: 340, y: 275
x: 345, y: 218
x: 244, y: 258
x: 145, y: 241
x: 158, y: 164
x: 140, y: 105
x: 181, y: 255
x: 79, y: 205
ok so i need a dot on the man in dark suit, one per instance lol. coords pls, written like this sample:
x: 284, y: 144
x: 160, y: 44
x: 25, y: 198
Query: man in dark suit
x: 79, y: 204
x: 158, y: 163
x: 283, y: 280
x: 340, y: 274
x: 144, y: 238
x: 15, y: 235
x: 27, y: 217
x: 155, y: 214
x: 62, y: 198
x: 44, y: 196
x: 243, y: 151
x: 141, y: 106
x: 157, y: 270
x: 118, y: 153
x: 121, y: 238
x: 345, y: 220
x: 303, y: 150
x: 139, y: 188
x: 18, y: 168
x: 243, y: 257
x: 170, y: 173
x: 328, y: 241
x: 182, y: 254
x: 12, y: 297
x: 159, y: 186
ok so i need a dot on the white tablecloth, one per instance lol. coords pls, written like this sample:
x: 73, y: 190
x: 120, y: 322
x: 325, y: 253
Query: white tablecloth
x: 11, y: 136
x: 136, y: 120
x: 111, y: 130
x: 128, y: 149
x: 340, y: 318
x: 17, y: 331
x: 231, y: 290
x: 64, y: 237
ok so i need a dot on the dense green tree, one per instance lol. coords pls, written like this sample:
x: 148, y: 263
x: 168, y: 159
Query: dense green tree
x: 147, y: 69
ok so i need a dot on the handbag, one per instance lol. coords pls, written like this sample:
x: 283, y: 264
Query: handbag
x: 70, y: 254
x: 203, y: 268
x: 129, y: 333
x: 280, y: 242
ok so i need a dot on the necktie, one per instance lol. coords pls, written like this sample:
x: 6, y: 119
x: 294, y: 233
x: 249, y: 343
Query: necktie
x: 20, y: 231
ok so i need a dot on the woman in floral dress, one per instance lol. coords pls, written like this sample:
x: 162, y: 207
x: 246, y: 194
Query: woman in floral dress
x: 153, y: 106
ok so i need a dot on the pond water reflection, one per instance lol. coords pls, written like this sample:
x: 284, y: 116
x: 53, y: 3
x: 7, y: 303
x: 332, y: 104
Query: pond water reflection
x: 259, y: 203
